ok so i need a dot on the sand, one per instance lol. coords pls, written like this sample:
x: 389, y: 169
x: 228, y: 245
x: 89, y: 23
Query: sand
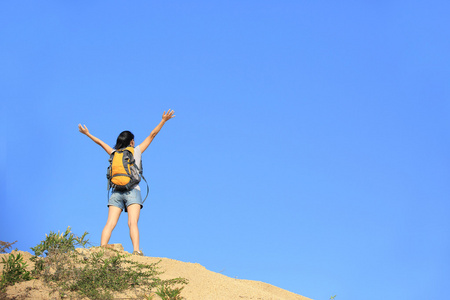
x: 203, y: 284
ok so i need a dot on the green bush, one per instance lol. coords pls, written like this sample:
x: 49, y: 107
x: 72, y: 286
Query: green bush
x: 100, y: 276
x: 166, y: 292
x: 96, y: 274
x: 14, y: 270
x: 59, y: 243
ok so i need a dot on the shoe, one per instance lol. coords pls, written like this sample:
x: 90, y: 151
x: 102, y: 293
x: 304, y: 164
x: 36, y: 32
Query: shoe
x: 140, y: 253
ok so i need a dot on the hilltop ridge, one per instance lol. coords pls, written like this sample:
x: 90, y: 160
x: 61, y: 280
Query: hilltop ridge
x: 203, y: 284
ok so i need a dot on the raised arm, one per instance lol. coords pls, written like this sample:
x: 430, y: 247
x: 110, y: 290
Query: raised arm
x: 149, y: 139
x: 85, y: 130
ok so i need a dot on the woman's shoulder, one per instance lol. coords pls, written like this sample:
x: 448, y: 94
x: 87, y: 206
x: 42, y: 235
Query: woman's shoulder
x: 137, y: 149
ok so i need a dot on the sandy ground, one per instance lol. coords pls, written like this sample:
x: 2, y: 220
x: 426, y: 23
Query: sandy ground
x: 203, y: 284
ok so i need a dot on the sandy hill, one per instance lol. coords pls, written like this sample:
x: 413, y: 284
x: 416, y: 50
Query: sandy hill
x: 203, y: 284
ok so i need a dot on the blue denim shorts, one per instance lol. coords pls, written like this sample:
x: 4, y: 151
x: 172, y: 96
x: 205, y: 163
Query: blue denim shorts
x: 124, y: 199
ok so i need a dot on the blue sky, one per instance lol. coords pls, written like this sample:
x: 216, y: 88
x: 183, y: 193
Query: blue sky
x: 309, y: 149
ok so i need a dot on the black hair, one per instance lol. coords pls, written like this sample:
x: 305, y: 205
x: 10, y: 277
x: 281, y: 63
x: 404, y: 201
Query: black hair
x: 124, y: 139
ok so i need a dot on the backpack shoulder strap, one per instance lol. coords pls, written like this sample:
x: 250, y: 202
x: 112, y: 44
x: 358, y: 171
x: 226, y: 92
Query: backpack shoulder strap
x: 148, y: 189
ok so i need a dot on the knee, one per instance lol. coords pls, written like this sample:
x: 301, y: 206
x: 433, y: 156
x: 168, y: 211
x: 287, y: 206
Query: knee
x: 110, y: 225
x: 132, y: 223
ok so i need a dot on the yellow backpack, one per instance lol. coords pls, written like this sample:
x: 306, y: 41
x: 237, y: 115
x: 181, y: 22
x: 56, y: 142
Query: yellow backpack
x: 123, y: 173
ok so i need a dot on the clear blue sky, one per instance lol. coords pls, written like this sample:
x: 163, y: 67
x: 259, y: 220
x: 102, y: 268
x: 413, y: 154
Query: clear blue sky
x: 310, y: 148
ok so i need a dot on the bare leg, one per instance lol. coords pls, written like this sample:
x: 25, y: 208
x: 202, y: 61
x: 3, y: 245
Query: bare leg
x: 113, y: 217
x: 133, y: 217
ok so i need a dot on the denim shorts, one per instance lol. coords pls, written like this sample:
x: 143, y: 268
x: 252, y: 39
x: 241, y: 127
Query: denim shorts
x: 124, y: 199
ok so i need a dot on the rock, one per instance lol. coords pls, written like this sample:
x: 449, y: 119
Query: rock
x: 117, y: 247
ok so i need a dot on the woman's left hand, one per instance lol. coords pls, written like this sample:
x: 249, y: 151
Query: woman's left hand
x: 84, y: 130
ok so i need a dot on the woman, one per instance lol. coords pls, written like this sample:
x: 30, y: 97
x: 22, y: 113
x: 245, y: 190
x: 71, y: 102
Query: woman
x: 131, y: 200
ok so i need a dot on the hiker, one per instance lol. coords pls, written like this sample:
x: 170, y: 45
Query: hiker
x: 130, y: 200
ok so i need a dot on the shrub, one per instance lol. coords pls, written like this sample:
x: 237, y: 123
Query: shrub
x: 14, y: 270
x: 59, y: 243
x: 166, y: 292
x: 96, y: 274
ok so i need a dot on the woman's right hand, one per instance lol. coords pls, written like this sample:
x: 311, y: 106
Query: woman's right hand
x: 84, y: 130
x: 168, y: 116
